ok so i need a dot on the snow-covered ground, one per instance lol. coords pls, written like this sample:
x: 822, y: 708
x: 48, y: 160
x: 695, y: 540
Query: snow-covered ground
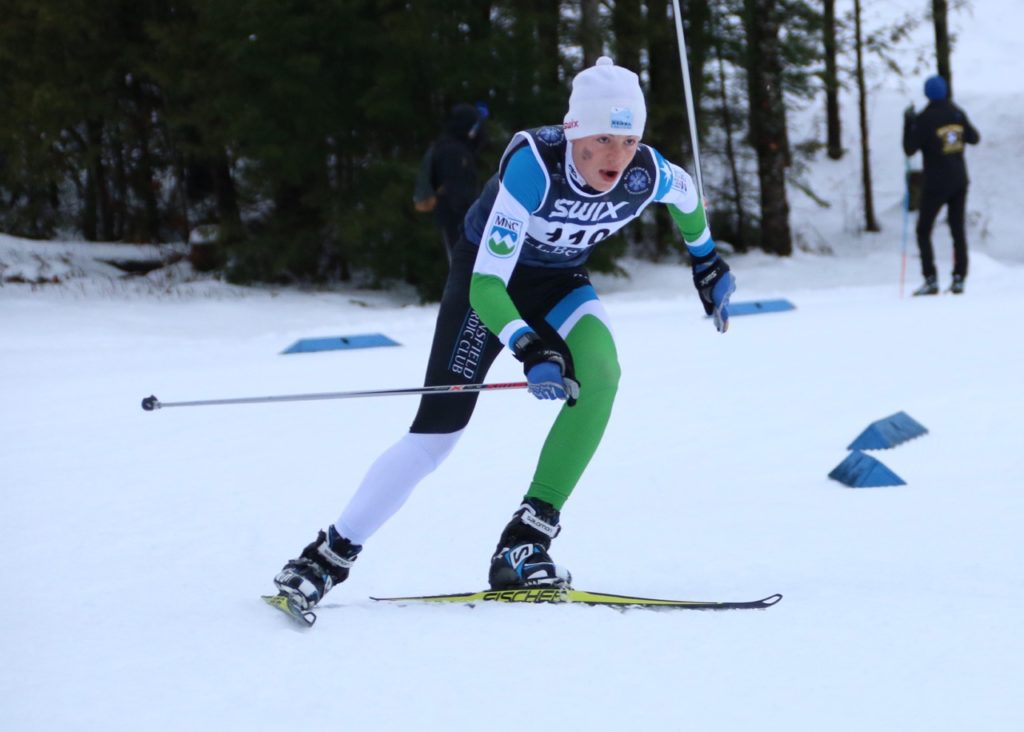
x: 137, y: 543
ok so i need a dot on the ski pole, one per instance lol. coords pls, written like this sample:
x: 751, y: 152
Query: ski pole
x: 151, y: 403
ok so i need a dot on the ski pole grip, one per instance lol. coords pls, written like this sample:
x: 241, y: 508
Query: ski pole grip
x: 150, y: 403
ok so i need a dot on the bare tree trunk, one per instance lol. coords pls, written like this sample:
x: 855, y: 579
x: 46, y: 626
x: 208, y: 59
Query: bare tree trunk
x: 730, y: 153
x: 629, y: 38
x: 666, y: 107
x: 227, y: 196
x: 147, y: 185
x: 666, y: 111
x: 181, y: 198
x: 940, y: 14
x: 590, y: 31
x: 120, y: 216
x: 105, y: 231
x: 768, y: 122
x: 91, y: 197
x: 834, y: 144
x: 870, y: 223
x: 697, y: 18
x: 548, y: 42
x: 628, y: 30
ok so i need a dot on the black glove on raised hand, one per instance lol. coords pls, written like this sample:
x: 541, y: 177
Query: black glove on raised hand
x: 545, y: 370
x: 715, y: 285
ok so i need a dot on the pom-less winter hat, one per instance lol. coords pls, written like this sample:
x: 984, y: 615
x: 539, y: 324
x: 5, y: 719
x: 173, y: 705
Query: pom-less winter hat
x: 606, y: 100
x: 935, y: 88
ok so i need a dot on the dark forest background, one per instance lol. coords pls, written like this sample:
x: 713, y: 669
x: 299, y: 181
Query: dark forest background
x: 283, y: 136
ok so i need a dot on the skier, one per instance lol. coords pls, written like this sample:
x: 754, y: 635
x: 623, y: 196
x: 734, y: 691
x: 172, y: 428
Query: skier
x: 518, y: 280
x: 940, y: 132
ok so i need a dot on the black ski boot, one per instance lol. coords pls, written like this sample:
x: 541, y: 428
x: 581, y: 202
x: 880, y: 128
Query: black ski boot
x: 957, y: 288
x: 521, y: 558
x: 322, y: 565
x: 930, y: 287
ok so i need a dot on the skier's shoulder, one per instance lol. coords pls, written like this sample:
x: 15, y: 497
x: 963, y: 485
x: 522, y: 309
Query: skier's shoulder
x: 531, y: 160
x: 547, y: 143
x: 669, y: 176
x: 942, y: 112
x: 957, y: 112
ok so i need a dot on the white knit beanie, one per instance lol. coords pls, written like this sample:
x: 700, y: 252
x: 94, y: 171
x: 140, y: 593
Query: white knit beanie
x: 606, y: 100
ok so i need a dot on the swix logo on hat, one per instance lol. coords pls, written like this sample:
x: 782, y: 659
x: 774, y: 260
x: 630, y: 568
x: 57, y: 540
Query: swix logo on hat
x: 503, y: 238
x: 621, y: 118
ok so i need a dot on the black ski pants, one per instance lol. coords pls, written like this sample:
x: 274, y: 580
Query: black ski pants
x: 463, y: 348
x: 931, y: 203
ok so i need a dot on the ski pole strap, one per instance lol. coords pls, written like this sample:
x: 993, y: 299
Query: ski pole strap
x: 151, y: 403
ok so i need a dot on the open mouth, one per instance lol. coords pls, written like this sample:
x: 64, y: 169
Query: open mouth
x: 608, y: 176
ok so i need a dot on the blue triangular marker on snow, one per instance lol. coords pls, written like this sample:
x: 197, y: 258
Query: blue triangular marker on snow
x: 863, y: 471
x: 367, y: 340
x: 760, y: 306
x: 889, y: 432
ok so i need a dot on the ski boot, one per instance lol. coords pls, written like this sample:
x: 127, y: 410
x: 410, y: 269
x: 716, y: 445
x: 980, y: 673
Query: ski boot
x: 521, y: 558
x: 957, y: 288
x: 322, y: 565
x: 930, y: 287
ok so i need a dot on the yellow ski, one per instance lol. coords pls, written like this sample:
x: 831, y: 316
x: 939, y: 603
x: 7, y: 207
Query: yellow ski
x: 557, y: 595
x: 290, y: 608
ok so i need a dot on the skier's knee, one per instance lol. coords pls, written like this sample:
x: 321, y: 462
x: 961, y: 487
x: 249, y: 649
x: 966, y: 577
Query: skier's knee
x: 599, y: 379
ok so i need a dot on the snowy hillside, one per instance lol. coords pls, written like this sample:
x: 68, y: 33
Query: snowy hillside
x: 137, y: 544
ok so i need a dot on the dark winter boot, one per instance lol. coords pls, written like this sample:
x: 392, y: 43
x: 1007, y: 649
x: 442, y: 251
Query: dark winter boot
x: 930, y: 287
x: 957, y: 288
x: 322, y: 565
x: 521, y: 558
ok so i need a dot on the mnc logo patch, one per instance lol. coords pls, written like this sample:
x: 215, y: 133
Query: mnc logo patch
x: 503, y: 238
x: 622, y: 118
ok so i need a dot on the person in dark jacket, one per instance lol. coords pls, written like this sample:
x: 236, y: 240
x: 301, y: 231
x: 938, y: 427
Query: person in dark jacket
x: 940, y: 132
x: 450, y: 168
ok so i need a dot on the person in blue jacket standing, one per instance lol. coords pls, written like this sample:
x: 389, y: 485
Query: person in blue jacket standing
x: 518, y: 281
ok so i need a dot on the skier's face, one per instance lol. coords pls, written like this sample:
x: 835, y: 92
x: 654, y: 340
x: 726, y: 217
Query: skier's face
x: 600, y: 159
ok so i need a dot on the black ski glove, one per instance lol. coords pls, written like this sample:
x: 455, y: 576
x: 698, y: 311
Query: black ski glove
x: 715, y: 285
x: 545, y: 370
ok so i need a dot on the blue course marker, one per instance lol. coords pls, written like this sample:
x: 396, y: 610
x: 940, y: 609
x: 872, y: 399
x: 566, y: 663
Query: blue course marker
x: 755, y: 307
x: 338, y: 343
x: 888, y: 432
x: 863, y: 471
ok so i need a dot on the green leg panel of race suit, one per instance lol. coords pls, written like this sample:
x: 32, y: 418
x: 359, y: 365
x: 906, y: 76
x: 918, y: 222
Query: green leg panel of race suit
x: 577, y: 431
